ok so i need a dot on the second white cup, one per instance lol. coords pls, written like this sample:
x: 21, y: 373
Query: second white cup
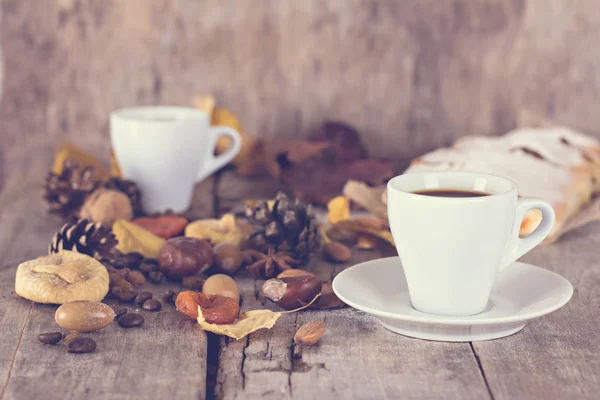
x: 166, y: 151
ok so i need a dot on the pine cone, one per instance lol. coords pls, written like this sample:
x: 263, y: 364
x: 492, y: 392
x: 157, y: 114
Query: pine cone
x: 66, y: 192
x: 86, y: 237
x: 130, y: 189
x: 285, y: 227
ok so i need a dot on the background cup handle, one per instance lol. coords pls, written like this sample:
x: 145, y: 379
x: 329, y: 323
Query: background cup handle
x: 215, y: 163
x: 516, y: 246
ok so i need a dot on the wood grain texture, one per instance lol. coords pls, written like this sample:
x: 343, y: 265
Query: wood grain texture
x: 356, y: 358
x: 555, y: 356
x: 142, y: 363
x: 411, y: 75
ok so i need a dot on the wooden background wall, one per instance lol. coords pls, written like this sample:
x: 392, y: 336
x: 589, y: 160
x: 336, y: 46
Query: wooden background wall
x: 411, y: 74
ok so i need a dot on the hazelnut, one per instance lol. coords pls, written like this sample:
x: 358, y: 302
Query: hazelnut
x: 182, y: 256
x: 228, y: 258
x: 223, y: 285
x: 293, y: 292
x: 106, y: 206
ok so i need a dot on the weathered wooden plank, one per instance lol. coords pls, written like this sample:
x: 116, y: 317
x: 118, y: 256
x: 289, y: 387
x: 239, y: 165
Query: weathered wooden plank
x: 356, y: 358
x: 556, y: 356
x: 166, y: 357
x: 411, y: 75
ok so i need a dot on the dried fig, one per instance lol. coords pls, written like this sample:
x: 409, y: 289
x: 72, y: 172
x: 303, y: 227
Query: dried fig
x: 294, y: 292
x: 216, y: 309
x: 183, y: 256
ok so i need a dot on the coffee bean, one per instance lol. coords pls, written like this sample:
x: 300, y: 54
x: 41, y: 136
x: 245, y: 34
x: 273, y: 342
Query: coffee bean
x: 148, y: 265
x: 156, y: 276
x: 136, y: 278
x: 192, y: 282
x: 134, y: 259
x: 131, y: 320
x: 120, y: 312
x: 120, y: 262
x: 152, y: 305
x: 142, y: 297
x: 170, y: 296
x: 50, y: 338
x: 70, y: 336
x: 82, y: 345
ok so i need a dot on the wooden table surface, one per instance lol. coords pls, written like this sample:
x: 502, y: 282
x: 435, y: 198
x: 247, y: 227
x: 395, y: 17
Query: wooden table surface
x: 557, y: 356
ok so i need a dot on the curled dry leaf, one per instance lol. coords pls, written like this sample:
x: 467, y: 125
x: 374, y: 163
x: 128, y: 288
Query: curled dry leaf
x: 133, y: 238
x: 226, y: 229
x: 246, y: 323
x: 310, y: 333
x: 338, y: 209
x: 367, y: 197
x: 344, y: 140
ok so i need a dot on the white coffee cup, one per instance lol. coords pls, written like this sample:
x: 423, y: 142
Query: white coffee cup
x: 166, y: 150
x: 452, y: 248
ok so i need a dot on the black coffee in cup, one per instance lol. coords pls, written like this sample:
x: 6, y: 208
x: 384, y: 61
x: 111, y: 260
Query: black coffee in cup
x: 451, y: 193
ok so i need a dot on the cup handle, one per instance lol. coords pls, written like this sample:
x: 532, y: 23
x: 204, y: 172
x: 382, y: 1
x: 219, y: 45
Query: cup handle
x: 516, y: 246
x: 215, y: 163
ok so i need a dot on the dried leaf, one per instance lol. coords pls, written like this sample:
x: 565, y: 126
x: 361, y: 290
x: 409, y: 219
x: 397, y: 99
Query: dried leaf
x: 115, y: 169
x: 224, y: 117
x: 370, y: 226
x: 345, y: 143
x: 248, y: 322
x: 367, y: 197
x: 134, y: 238
x: 206, y: 103
x: 226, y: 229
x: 250, y: 159
x: 338, y: 209
x: 281, y: 153
x: 371, y: 171
x: 69, y: 151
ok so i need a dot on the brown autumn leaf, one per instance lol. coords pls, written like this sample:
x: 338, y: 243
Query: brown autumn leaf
x: 344, y: 140
x: 338, y: 209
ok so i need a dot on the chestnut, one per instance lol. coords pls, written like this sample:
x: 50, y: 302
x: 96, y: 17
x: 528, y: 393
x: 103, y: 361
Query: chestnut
x: 292, y: 292
x: 180, y: 257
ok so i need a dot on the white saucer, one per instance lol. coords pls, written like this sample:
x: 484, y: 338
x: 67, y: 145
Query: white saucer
x: 520, y: 293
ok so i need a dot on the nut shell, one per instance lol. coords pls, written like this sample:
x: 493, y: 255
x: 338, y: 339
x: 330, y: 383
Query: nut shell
x: 106, y: 206
x: 293, y: 292
x: 62, y: 277
x: 182, y: 256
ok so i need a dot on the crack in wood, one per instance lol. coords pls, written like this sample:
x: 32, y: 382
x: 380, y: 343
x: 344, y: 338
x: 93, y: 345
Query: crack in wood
x: 244, y: 361
x: 292, y: 359
x: 478, y: 360
x: 14, y: 357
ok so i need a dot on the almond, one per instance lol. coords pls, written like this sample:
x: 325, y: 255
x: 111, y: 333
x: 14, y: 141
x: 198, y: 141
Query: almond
x: 310, y: 333
x: 336, y: 252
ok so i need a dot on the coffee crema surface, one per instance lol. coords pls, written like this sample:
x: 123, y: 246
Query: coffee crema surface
x: 451, y: 193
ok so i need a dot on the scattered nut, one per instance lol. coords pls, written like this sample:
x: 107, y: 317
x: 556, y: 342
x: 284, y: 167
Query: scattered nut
x: 106, y: 206
x: 294, y: 292
x: 336, y: 252
x: 343, y: 235
x: 62, y: 277
x: 120, y: 312
x: 328, y: 299
x: 228, y: 258
x: 50, y: 338
x: 310, y: 333
x: 223, y: 285
x: 180, y: 257
x: 136, y: 278
x: 123, y: 295
x: 288, y: 273
x: 192, y: 282
x: 84, y: 316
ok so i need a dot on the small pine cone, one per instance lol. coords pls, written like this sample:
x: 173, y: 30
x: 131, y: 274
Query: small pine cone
x: 66, y: 192
x: 130, y: 189
x: 86, y: 237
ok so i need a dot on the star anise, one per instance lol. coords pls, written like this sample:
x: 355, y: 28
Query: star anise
x: 267, y: 265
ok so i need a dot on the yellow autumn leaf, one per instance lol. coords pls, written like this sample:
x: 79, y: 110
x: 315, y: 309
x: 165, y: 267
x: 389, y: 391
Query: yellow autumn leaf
x: 206, y: 103
x: 226, y: 229
x: 134, y: 238
x: 222, y: 116
x: 248, y: 322
x: 338, y: 209
x: 69, y: 151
